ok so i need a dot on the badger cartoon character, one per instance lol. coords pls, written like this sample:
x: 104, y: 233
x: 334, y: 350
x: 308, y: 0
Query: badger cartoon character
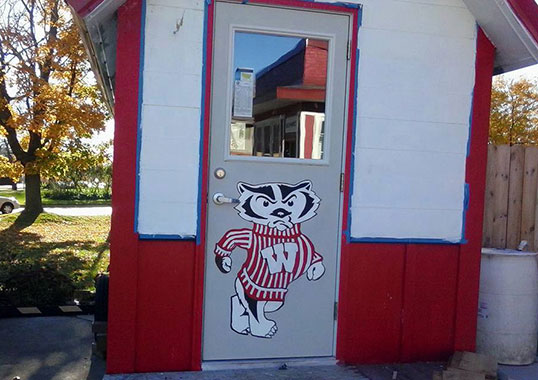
x: 278, y: 253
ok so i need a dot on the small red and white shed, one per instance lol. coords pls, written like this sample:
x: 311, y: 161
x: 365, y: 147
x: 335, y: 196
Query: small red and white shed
x: 298, y: 179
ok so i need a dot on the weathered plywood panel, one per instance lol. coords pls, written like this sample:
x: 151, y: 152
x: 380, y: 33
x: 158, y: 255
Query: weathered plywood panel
x: 528, y: 206
x: 511, y: 197
x: 501, y: 185
x: 489, y: 201
x: 515, y: 194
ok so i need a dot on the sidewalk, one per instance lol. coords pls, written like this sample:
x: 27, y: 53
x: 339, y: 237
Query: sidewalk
x: 409, y: 371
x: 414, y: 371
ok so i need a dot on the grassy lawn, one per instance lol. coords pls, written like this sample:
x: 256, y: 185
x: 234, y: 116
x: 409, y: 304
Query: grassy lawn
x: 20, y: 194
x: 73, y: 249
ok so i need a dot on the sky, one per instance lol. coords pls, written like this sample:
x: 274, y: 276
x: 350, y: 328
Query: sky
x: 530, y: 73
x: 266, y: 48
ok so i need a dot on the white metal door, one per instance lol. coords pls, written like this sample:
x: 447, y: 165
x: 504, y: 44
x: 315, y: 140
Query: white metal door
x: 277, y: 127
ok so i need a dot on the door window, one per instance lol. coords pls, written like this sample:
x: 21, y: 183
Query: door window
x: 279, y: 89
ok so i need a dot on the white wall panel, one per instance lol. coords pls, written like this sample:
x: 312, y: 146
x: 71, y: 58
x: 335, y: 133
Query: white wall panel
x: 173, y: 217
x: 173, y: 187
x: 409, y: 179
x: 420, y: 17
x: 170, y: 120
x: 426, y: 136
x: 407, y: 224
x: 415, y: 84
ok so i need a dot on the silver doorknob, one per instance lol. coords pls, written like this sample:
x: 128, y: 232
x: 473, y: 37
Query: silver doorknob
x: 221, y: 199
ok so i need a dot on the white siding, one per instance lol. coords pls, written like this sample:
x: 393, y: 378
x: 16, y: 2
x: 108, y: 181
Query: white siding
x: 415, y: 83
x: 416, y: 76
x: 170, y: 123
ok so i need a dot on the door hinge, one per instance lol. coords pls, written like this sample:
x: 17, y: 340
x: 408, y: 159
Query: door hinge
x: 342, y: 182
x: 335, y: 311
x: 348, y: 50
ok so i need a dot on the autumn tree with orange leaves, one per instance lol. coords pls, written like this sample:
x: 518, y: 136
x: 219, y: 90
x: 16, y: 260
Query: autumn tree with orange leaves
x: 48, y: 95
x: 514, y: 112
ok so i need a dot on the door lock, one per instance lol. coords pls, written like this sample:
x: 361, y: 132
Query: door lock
x: 221, y: 199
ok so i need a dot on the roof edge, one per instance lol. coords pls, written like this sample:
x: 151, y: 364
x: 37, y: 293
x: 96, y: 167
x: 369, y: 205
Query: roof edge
x: 527, y: 13
x: 84, y: 7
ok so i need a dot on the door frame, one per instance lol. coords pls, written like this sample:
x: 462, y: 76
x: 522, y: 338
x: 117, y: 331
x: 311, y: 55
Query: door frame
x: 354, y: 11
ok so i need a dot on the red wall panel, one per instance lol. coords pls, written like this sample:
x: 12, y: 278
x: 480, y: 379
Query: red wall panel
x: 151, y: 282
x: 429, y: 303
x: 475, y: 176
x: 164, y: 306
x: 124, y: 242
x: 369, y: 311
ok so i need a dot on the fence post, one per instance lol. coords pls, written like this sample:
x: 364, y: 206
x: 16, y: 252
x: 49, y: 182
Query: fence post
x: 528, y: 206
x: 515, y: 194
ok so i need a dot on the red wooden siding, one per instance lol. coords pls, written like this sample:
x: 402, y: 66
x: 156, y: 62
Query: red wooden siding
x: 164, y: 305
x: 151, y: 312
x: 430, y: 283
x: 419, y: 301
x: 124, y: 242
x: 371, y: 299
x: 475, y: 176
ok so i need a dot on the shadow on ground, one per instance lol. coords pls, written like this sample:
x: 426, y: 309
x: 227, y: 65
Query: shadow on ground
x: 56, y: 244
x: 55, y: 348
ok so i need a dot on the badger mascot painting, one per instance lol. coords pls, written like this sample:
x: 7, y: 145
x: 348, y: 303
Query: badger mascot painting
x: 278, y: 253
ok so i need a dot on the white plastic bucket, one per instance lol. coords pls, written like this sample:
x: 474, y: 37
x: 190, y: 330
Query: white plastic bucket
x: 508, y: 306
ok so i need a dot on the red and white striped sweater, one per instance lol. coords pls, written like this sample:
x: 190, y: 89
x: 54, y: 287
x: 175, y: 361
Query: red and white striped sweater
x: 274, y: 259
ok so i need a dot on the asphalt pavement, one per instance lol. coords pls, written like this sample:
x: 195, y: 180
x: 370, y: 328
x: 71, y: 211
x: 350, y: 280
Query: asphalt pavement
x: 48, y: 348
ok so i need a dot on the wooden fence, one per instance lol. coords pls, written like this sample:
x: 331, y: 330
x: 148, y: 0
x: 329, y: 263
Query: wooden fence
x: 510, y: 213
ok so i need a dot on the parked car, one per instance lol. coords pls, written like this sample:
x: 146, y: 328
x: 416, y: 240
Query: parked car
x: 8, y: 204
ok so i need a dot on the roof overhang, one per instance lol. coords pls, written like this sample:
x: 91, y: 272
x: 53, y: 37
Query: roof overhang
x: 97, y: 23
x: 512, y: 26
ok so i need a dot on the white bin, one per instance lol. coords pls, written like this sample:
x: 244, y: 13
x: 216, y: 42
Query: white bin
x: 508, y: 306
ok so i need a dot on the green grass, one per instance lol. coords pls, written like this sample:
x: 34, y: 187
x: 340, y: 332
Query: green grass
x: 20, y: 197
x: 72, y: 247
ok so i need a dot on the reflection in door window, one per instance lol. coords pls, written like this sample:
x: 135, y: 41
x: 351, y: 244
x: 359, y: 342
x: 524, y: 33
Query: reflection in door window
x: 279, y: 88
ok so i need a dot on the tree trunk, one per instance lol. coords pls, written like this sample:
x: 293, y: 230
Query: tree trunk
x: 33, y: 206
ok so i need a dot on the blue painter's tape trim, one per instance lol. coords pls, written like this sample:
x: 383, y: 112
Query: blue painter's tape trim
x: 470, y: 124
x: 466, y: 190
x: 404, y: 241
x: 139, y: 117
x: 347, y: 233
x: 346, y: 5
x: 472, y: 100
x: 166, y: 237
x: 202, y: 119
